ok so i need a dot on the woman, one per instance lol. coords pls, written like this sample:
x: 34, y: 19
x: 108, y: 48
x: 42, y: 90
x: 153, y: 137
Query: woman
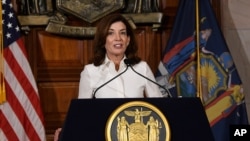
x: 115, y: 41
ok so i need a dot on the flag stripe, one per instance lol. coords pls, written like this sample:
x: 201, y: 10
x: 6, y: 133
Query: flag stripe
x: 176, y: 49
x: 18, y: 50
x: 19, y: 102
x: 220, y: 108
x: 20, y: 91
x: 14, y: 52
x: 20, y: 112
x: 8, y: 130
x: 2, y: 136
x: 11, y: 125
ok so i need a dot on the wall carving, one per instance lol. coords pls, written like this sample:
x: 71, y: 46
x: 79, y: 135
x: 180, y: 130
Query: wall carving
x: 136, y: 11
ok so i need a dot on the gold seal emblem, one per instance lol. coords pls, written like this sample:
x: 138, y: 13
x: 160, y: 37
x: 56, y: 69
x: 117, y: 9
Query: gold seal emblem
x: 137, y: 121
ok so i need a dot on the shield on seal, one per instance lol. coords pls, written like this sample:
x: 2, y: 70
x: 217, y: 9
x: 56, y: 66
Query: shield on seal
x: 89, y: 10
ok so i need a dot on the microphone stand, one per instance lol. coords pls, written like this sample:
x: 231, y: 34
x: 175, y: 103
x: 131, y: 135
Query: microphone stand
x: 95, y: 90
x: 127, y: 62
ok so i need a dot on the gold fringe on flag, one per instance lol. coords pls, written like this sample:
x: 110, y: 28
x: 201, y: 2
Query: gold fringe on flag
x: 199, y: 91
x: 2, y: 85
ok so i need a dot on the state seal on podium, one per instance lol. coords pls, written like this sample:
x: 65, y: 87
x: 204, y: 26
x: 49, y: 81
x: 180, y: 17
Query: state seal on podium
x: 137, y: 121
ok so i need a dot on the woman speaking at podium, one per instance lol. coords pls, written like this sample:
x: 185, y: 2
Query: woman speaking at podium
x: 115, y: 43
x: 109, y: 76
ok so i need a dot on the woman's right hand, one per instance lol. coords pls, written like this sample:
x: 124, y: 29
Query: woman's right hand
x: 57, y: 132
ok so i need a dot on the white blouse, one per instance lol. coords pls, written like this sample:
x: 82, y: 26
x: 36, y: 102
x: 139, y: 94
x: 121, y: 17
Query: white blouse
x: 127, y: 85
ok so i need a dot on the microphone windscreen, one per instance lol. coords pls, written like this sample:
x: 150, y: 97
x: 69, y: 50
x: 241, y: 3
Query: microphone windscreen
x: 127, y: 61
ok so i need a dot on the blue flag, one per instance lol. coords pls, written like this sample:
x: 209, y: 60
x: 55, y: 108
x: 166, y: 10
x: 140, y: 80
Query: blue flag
x: 220, y: 86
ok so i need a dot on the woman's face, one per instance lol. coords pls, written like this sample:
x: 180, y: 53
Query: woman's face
x: 117, y: 40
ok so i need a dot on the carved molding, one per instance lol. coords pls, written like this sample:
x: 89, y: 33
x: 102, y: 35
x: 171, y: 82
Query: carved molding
x: 136, y: 11
x: 25, y: 20
x: 89, y: 10
x: 72, y: 31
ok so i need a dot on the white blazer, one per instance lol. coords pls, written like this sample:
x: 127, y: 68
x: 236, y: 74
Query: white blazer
x: 127, y: 85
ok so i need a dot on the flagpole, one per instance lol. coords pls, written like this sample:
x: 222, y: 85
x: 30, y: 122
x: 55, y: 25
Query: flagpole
x: 198, y: 92
x: 2, y: 86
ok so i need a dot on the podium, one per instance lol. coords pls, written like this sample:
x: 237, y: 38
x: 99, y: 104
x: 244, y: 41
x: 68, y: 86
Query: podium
x: 87, y: 118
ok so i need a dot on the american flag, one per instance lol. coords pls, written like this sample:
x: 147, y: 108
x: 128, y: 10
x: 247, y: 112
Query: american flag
x: 21, y: 117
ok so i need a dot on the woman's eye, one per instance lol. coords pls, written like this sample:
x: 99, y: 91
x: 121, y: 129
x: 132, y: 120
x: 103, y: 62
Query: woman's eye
x: 111, y: 32
x: 124, y: 33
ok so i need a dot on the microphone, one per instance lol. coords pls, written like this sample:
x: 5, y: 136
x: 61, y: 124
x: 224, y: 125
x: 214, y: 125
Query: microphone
x: 95, y: 90
x: 128, y: 62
